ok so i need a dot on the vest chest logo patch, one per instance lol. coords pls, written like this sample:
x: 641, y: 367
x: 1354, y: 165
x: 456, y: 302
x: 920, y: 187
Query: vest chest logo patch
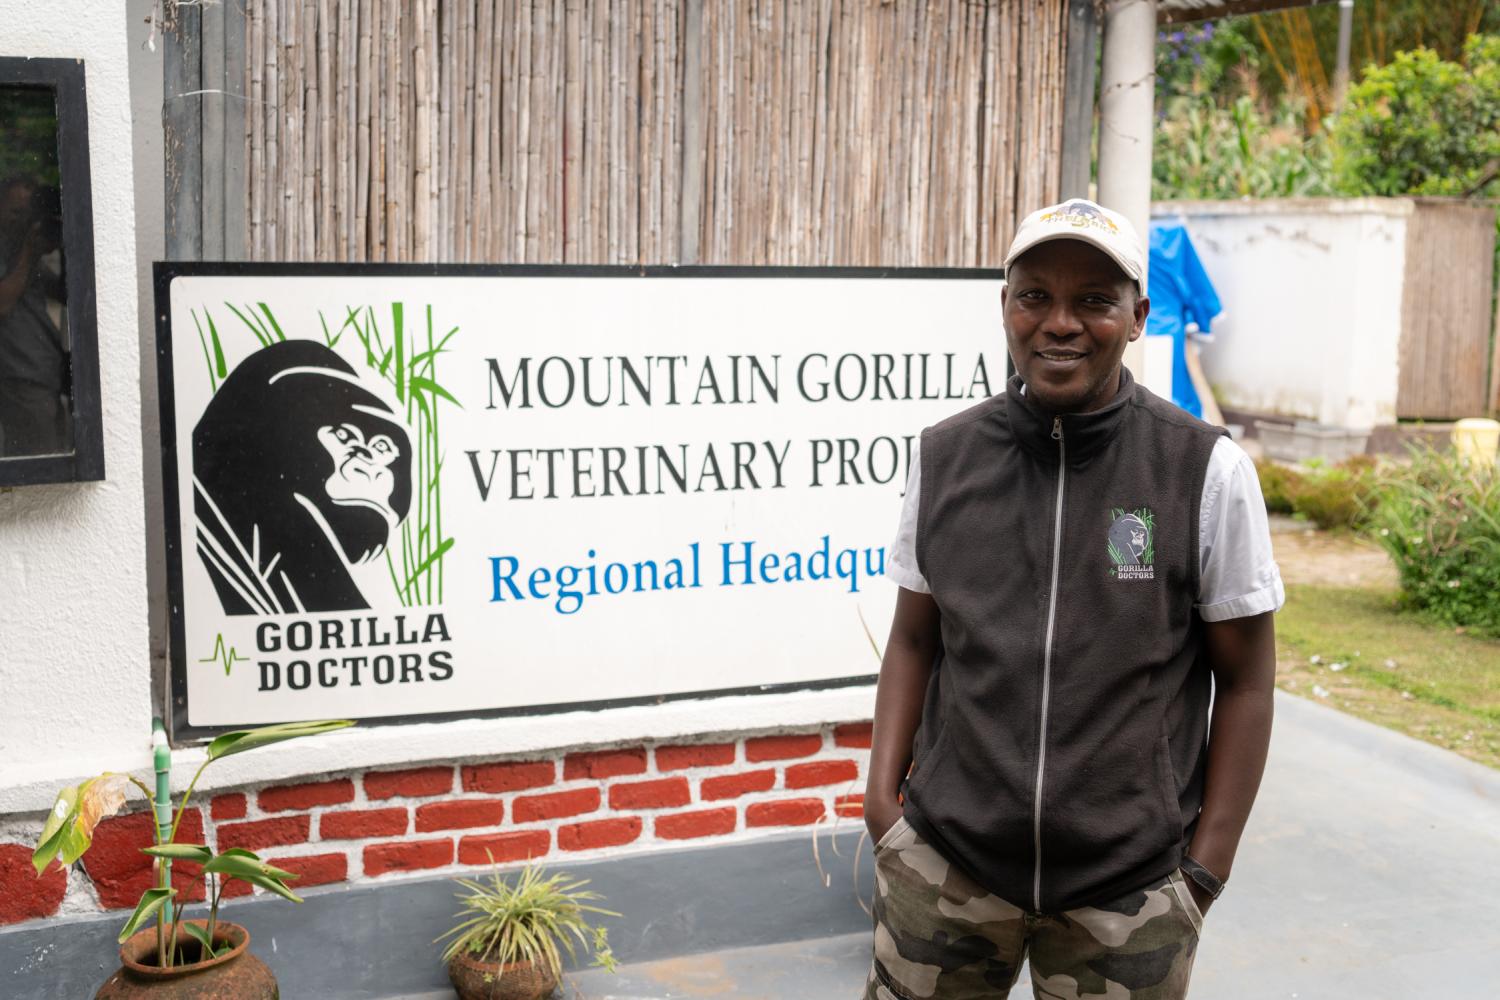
x: 1132, y: 550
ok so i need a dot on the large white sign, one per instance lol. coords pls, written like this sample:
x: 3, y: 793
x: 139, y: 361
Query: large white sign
x: 395, y: 493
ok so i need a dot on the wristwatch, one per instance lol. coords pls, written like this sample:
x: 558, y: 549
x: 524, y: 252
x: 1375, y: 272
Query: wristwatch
x: 1205, y: 879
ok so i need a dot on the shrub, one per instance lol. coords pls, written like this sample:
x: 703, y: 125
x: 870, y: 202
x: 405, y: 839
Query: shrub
x: 1278, y: 485
x: 1337, y: 496
x: 1422, y: 125
x: 1439, y: 518
x: 1203, y: 150
x: 1208, y: 58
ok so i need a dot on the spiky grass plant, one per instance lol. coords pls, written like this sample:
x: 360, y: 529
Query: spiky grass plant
x: 535, y: 919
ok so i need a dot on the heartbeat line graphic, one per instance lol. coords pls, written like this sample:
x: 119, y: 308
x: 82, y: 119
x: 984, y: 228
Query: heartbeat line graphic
x: 229, y: 657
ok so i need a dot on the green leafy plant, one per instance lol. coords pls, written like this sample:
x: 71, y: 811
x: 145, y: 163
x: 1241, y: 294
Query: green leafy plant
x: 1337, y: 496
x: 533, y: 920
x: 1423, y: 125
x: 1331, y: 496
x: 1293, y: 52
x: 69, y: 831
x: 1439, y: 518
x: 1204, y: 150
x: 1204, y: 58
x: 1279, y: 485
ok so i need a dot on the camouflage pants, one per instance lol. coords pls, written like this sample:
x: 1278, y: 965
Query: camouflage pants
x: 940, y: 936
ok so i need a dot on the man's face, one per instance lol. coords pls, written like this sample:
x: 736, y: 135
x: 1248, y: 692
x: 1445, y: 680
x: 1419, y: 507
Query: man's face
x: 1069, y: 312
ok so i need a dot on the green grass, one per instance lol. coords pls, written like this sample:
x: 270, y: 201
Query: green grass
x: 1401, y: 670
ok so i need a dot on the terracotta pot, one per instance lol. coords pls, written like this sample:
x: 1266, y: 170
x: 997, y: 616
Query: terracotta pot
x: 234, y: 975
x: 479, y: 980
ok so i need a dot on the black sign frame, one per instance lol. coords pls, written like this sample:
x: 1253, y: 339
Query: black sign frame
x: 85, y: 463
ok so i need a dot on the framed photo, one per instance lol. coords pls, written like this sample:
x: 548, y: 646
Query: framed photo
x: 50, y: 422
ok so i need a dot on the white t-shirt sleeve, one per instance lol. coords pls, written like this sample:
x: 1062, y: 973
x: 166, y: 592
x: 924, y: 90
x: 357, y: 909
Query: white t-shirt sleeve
x: 1238, y: 575
x: 901, y: 565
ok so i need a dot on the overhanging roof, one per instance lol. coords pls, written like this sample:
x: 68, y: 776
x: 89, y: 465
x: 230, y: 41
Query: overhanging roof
x: 1178, y: 11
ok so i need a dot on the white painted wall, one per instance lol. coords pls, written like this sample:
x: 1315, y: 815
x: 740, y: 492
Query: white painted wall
x: 73, y: 640
x: 1311, y: 290
x: 149, y: 160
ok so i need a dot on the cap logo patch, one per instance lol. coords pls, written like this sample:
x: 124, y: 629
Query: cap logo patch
x: 1080, y: 215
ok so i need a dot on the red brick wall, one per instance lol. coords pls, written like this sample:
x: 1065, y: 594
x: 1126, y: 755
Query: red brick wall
x: 360, y: 826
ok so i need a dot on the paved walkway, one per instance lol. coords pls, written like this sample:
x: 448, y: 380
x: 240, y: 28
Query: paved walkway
x: 1370, y: 871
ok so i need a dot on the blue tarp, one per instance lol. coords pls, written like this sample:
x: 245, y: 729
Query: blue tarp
x: 1181, y: 295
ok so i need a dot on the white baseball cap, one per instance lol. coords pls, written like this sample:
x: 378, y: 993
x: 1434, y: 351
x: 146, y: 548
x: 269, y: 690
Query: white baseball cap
x: 1081, y: 219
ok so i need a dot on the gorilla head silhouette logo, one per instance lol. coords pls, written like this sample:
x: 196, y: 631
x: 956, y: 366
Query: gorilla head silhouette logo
x: 1128, y: 537
x: 298, y: 472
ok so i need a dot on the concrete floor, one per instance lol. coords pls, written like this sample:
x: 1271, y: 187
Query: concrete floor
x: 1370, y: 871
x: 831, y: 967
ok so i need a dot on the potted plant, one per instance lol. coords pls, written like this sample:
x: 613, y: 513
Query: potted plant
x: 176, y: 957
x: 508, y: 944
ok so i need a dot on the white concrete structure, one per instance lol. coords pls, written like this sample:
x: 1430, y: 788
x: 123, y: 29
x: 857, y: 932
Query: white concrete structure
x: 73, y: 639
x: 1312, y: 295
x: 1127, y: 91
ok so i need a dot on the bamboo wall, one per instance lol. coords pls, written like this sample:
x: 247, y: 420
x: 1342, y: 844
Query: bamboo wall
x: 874, y: 132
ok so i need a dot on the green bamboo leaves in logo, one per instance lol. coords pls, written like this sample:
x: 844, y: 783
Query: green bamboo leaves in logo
x: 406, y: 357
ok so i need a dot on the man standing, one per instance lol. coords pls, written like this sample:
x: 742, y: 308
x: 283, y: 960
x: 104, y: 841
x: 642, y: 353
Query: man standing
x: 1085, y: 570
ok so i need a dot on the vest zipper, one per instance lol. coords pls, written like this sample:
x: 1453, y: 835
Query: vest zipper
x: 1041, y: 756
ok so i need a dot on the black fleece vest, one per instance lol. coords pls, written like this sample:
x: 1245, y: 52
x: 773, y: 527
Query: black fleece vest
x: 1061, y: 753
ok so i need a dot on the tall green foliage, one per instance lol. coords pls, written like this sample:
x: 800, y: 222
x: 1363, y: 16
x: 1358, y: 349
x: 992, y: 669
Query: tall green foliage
x: 1439, y: 518
x: 1330, y: 496
x: 1216, y: 135
x: 1293, y: 52
x: 1423, y: 125
x: 1203, y: 150
x: 1215, y: 57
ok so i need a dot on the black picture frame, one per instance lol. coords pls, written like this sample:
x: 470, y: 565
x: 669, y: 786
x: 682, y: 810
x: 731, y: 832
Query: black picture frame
x: 181, y: 730
x: 85, y: 463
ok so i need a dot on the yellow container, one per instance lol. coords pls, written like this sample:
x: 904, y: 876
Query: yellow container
x: 1477, y: 439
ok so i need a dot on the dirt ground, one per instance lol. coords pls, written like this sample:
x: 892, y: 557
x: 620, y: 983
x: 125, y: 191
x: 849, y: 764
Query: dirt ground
x: 1321, y: 558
